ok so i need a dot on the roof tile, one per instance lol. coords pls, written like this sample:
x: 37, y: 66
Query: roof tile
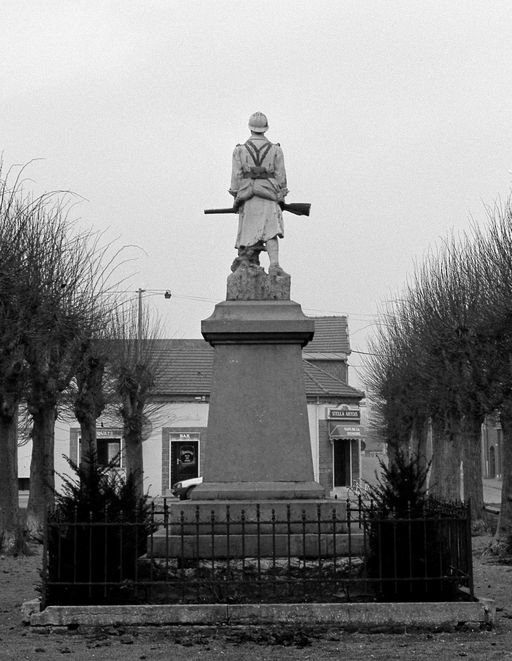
x: 331, y: 336
x: 186, y: 365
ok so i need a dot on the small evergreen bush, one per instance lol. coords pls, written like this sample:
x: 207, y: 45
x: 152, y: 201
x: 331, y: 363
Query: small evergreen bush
x: 96, y: 535
x: 407, y: 534
x: 402, y: 485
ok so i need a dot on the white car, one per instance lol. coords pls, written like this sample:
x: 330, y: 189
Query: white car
x: 183, y: 489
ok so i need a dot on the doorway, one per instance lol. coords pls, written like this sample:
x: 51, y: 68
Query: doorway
x: 342, y: 464
x: 492, y: 462
x: 184, y: 460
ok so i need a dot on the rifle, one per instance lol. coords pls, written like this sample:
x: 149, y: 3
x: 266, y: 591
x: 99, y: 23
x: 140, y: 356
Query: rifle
x: 298, y: 208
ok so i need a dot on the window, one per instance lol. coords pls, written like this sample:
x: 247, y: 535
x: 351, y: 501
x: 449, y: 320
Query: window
x: 109, y: 449
x: 109, y: 452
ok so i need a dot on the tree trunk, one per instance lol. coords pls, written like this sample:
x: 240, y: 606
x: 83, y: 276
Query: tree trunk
x: 445, y: 477
x: 42, y: 478
x: 88, y: 441
x: 9, y: 507
x: 133, y: 454
x: 502, y: 543
x: 472, y: 471
x: 90, y: 400
x: 419, y: 438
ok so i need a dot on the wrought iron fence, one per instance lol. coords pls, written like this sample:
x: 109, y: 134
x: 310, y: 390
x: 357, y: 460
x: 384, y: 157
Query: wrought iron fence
x: 331, y: 551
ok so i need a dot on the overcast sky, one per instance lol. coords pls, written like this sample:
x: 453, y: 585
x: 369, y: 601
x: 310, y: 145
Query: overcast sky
x: 395, y: 119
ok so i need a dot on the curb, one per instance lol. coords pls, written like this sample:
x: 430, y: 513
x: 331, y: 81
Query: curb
x: 481, y: 612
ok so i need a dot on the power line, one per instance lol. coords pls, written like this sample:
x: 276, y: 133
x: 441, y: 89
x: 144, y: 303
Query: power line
x: 357, y: 316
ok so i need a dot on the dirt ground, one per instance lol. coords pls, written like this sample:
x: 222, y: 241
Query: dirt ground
x: 20, y: 576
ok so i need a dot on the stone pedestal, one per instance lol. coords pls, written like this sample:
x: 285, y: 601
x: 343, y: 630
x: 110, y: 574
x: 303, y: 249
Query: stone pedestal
x: 272, y: 529
x: 258, y: 443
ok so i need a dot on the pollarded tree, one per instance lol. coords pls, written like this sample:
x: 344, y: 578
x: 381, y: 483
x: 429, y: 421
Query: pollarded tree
x: 28, y: 238
x: 433, y: 343
x: 452, y: 297
x: 394, y: 379
x: 12, y: 365
x: 455, y: 289
x: 89, y: 398
x: 65, y: 273
x: 495, y: 248
x: 134, y: 368
x: 51, y: 279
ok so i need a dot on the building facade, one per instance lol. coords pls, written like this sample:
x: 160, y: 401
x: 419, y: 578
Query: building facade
x: 492, y: 442
x: 175, y: 437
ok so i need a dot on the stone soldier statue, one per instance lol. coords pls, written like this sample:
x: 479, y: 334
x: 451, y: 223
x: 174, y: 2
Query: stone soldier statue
x: 258, y: 184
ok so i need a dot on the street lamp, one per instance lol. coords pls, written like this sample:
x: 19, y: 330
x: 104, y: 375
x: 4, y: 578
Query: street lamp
x: 152, y: 292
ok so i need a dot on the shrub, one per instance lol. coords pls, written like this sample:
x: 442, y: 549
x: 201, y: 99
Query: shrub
x: 95, y: 536
x: 401, y: 487
x: 409, y: 535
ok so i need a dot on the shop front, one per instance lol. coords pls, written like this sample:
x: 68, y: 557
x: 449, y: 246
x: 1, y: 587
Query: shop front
x: 345, y: 439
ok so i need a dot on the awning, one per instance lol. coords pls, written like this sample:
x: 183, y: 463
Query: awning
x: 343, y: 432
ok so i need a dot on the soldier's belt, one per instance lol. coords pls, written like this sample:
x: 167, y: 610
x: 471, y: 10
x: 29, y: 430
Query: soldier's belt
x: 257, y: 175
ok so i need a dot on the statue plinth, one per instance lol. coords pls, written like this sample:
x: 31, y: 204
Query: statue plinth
x: 258, y: 444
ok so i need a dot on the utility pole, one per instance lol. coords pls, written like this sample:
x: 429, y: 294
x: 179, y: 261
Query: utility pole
x: 139, y: 323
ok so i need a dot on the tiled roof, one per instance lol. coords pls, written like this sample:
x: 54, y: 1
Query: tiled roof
x: 331, y: 336
x: 186, y: 365
x: 320, y: 383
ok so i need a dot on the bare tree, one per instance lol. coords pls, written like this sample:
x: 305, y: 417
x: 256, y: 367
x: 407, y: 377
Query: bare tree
x: 90, y: 398
x: 135, y: 368
x: 437, y: 367
x: 56, y: 300
x: 396, y: 380
x: 495, y: 249
x: 63, y: 273
x: 12, y: 366
x: 32, y: 236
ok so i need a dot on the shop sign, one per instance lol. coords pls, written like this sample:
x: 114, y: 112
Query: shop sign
x: 108, y: 433
x: 192, y: 436
x: 345, y: 431
x: 345, y: 414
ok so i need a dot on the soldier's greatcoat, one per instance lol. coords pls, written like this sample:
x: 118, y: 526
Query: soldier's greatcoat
x: 258, y: 183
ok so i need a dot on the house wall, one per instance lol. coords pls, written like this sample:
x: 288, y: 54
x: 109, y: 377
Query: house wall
x: 172, y: 418
x: 183, y: 417
x: 313, y: 417
x: 62, y: 450
x: 325, y: 474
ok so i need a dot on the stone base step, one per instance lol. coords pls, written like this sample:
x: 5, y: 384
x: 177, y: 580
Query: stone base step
x: 165, y: 545
x: 271, y: 528
x: 258, y: 491
x: 246, y: 517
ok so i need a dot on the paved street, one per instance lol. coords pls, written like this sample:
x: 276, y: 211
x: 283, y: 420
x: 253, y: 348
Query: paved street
x: 492, y: 491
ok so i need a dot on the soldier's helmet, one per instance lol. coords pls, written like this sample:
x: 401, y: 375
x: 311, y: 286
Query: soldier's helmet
x: 258, y: 122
